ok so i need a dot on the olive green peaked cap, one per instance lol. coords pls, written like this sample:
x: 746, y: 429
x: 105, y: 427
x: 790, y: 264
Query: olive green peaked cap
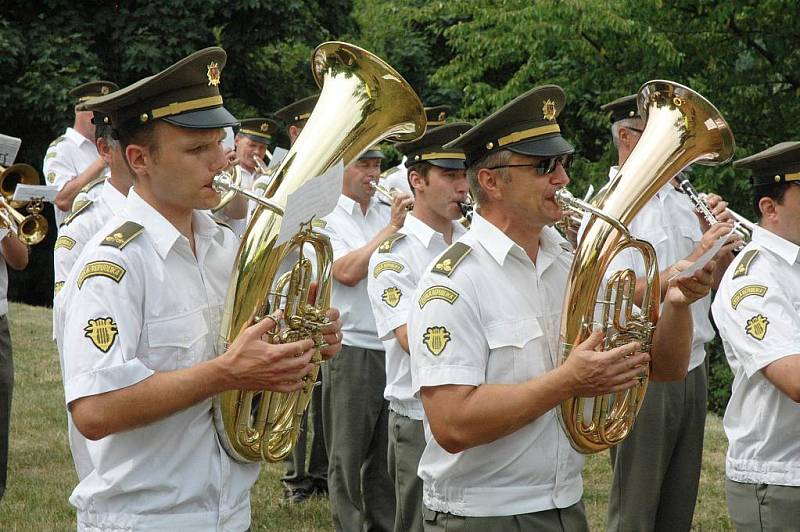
x: 437, y: 115
x: 526, y: 125
x: 185, y: 94
x: 261, y: 130
x: 429, y: 148
x: 298, y: 111
x: 777, y: 164
x: 622, y: 108
x: 92, y: 89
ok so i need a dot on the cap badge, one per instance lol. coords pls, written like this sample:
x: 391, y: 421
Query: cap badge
x: 442, y: 116
x: 549, y: 110
x: 104, y: 90
x: 213, y: 73
x: 264, y: 127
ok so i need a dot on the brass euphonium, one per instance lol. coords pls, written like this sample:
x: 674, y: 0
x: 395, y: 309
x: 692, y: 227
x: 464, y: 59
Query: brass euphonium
x: 681, y: 128
x: 31, y: 229
x: 363, y: 101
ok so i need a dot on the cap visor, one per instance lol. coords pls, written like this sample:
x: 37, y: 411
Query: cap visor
x: 372, y: 154
x: 256, y: 138
x: 543, y: 147
x: 204, y: 119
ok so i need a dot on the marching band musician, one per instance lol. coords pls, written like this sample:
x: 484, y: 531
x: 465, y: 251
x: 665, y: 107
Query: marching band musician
x: 300, y: 481
x: 756, y: 311
x: 143, y: 309
x: 72, y: 160
x: 439, y: 182
x: 484, y: 338
x: 355, y: 414
x: 14, y: 253
x: 657, y: 467
x: 252, y: 140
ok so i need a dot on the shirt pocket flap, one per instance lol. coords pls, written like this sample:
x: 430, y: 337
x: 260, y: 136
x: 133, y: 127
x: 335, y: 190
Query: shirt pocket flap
x: 514, y: 333
x: 180, y: 331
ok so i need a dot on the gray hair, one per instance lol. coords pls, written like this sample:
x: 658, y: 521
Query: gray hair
x: 493, y: 159
x: 628, y: 123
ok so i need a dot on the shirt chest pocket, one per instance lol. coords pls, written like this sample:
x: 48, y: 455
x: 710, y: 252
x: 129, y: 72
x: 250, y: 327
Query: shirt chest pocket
x: 518, y: 350
x: 176, y: 342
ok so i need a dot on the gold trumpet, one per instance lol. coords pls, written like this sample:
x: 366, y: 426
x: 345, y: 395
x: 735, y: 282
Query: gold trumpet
x: 30, y: 229
x: 363, y: 101
x: 389, y: 194
x: 681, y: 128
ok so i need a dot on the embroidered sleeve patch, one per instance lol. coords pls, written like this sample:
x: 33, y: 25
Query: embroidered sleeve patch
x: 51, y: 177
x: 757, y: 326
x: 749, y: 290
x: 391, y: 296
x: 436, y: 339
x: 64, y: 242
x: 102, y: 268
x: 390, y: 265
x: 437, y: 292
x: 102, y: 332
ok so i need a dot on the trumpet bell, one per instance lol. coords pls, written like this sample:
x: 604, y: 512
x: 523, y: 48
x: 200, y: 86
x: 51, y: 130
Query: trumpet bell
x: 13, y: 176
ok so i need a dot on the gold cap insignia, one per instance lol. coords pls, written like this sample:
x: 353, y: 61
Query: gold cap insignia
x: 435, y: 339
x: 757, y: 326
x: 102, y: 332
x: 104, y: 90
x: 213, y: 73
x: 264, y: 127
x: 549, y: 110
x: 391, y: 296
x: 442, y: 116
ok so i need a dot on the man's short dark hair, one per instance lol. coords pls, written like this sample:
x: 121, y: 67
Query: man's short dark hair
x: 423, y: 169
x: 775, y: 191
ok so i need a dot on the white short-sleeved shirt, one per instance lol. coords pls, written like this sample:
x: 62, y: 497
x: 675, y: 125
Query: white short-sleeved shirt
x: 73, y: 236
x: 3, y: 280
x: 757, y: 311
x: 148, y: 307
x: 495, y: 320
x: 68, y: 156
x: 394, y: 272
x: 349, y: 229
x: 669, y: 223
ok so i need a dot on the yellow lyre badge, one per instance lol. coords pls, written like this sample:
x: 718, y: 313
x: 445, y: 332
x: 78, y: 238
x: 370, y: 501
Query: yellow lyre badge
x: 51, y: 177
x: 435, y: 339
x: 757, y: 326
x: 437, y: 292
x: 390, y: 265
x: 102, y: 332
x: 391, y: 296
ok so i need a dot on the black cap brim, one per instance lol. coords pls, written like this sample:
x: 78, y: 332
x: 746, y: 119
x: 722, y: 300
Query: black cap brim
x: 448, y: 164
x: 543, y: 147
x: 256, y: 138
x: 204, y: 119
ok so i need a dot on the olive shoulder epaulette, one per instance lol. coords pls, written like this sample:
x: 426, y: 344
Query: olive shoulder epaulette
x: 93, y: 183
x: 122, y: 235
x: 386, y: 245
x: 57, y: 140
x: 80, y: 207
x: 744, y: 264
x: 451, y: 258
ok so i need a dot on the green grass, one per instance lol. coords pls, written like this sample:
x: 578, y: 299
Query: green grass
x: 41, y: 475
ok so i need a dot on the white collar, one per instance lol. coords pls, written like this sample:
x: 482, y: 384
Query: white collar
x: 76, y: 137
x: 424, y: 233
x: 349, y: 205
x: 161, y: 231
x: 499, y: 245
x: 777, y: 244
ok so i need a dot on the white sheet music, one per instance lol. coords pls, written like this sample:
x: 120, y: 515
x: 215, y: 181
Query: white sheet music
x: 9, y: 146
x: 705, y: 257
x: 25, y: 192
x: 315, y: 199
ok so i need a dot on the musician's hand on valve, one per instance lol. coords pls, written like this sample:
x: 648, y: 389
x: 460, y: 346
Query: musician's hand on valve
x: 252, y: 363
x: 685, y: 291
x: 332, y: 334
x: 719, y: 208
x: 592, y: 372
x: 400, y: 204
x: 233, y: 159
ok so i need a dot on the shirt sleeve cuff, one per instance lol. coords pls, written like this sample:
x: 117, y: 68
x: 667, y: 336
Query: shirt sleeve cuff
x: 753, y: 365
x: 444, y: 375
x: 386, y: 327
x: 106, y: 380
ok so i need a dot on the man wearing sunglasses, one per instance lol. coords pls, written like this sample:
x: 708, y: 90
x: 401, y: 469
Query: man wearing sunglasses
x: 484, y: 339
x: 657, y: 467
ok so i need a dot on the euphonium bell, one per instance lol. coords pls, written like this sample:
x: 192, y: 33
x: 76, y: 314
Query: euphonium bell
x: 681, y: 128
x: 363, y: 101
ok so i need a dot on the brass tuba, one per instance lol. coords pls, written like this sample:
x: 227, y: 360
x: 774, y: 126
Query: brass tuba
x: 363, y: 101
x: 31, y: 229
x: 681, y: 128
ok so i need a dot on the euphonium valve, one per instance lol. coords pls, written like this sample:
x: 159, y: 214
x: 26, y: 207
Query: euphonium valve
x: 681, y: 128
x: 363, y: 101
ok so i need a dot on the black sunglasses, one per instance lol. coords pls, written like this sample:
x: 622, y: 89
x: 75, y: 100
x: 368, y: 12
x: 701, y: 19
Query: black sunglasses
x: 544, y: 166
